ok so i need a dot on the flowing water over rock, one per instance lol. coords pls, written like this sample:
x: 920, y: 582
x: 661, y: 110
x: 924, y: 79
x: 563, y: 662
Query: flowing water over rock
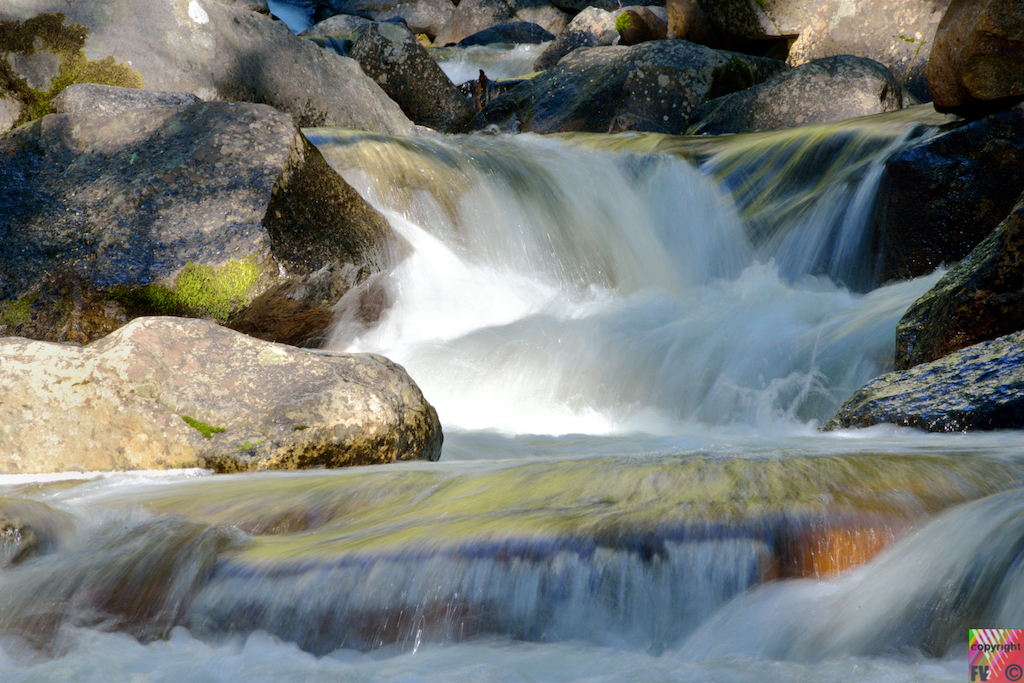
x: 630, y: 354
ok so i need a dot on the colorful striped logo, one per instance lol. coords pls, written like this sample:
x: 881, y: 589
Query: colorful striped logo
x: 996, y: 655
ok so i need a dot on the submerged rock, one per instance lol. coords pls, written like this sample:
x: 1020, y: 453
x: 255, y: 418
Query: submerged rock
x: 980, y: 387
x: 975, y: 64
x: 29, y: 528
x: 392, y: 56
x: 829, y: 89
x: 980, y: 298
x: 214, y: 49
x: 939, y: 198
x: 169, y: 392
x: 654, y: 86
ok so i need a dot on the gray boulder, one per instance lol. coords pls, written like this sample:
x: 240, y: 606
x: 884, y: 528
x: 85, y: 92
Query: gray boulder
x: 592, y: 27
x: 169, y: 392
x: 190, y: 210
x: 421, y: 16
x: 87, y: 99
x: 939, y: 198
x: 345, y: 25
x: 518, y: 32
x: 896, y: 33
x: 654, y: 86
x: 977, y: 388
x: 975, y: 64
x: 214, y: 49
x: 392, y: 56
x: 829, y: 89
x: 473, y: 16
x: 980, y: 298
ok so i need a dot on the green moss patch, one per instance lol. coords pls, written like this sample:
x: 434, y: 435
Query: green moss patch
x: 199, y: 291
x: 18, y: 311
x: 67, y: 42
x: 206, y: 430
x: 623, y: 22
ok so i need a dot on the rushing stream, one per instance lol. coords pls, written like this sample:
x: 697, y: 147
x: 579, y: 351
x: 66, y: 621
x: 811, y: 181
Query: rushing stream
x: 630, y: 341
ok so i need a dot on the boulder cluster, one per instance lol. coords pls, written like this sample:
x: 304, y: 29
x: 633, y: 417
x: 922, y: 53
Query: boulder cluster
x: 152, y: 163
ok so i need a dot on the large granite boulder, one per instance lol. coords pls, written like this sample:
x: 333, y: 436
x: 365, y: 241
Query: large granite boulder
x: 654, y: 86
x: 979, y: 387
x: 896, y: 33
x: 170, y: 392
x: 473, y: 16
x: 421, y: 16
x: 393, y: 57
x: 593, y: 27
x: 214, y: 49
x: 828, y: 89
x: 939, y: 198
x: 192, y: 210
x: 91, y: 99
x: 980, y: 298
x: 975, y: 63
x: 339, y: 25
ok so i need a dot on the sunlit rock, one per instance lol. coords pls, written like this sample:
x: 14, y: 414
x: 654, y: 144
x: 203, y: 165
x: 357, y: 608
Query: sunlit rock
x: 193, y: 210
x: 90, y: 99
x: 828, y: 89
x: 980, y: 298
x: 979, y: 387
x: 172, y: 392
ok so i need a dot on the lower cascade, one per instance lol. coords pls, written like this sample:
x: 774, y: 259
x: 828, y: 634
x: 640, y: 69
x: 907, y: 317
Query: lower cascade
x: 631, y: 341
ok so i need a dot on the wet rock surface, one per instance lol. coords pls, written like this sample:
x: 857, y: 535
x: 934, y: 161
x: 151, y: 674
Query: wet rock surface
x: 941, y: 197
x: 168, y: 392
x: 654, y: 86
x: 29, y: 528
x: 829, y: 89
x: 980, y: 298
x: 980, y: 387
x: 392, y: 57
x: 975, y: 63
x: 190, y: 210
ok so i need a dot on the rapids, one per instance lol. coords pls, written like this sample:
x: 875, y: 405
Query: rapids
x: 630, y: 341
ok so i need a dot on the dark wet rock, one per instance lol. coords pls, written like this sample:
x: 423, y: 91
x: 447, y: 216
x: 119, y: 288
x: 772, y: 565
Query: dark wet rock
x: 654, y: 87
x: 86, y: 99
x: 392, y: 56
x: 170, y: 392
x: 759, y: 19
x: 980, y: 387
x: 940, y: 198
x: 190, y: 210
x: 829, y: 89
x: 592, y: 27
x: 473, y: 16
x: 29, y: 528
x: 975, y: 63
x: 214, y: 49
x: 519, y: 32
x: 980, y: 298
x: 640, y: 25
x: 896, y: 33
x: 421, y: 16
x: 345, y: 25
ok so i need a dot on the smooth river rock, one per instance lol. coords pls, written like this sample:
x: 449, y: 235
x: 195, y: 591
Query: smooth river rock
x: 192, y: 210
x: 980, y: 387
x: 170, y: 392
x: 980, y: 298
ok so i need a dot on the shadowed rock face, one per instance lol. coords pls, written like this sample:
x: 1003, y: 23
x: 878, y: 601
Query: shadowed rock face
x: 975, y: 65
x: 168, y: 392
x: 473, y: 16
x: 829, y: 89
x: 977, y: 388
x: 192, y: 210
x: 980, y: 298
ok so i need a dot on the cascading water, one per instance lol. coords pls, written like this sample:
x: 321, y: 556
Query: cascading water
x: 630, y: 341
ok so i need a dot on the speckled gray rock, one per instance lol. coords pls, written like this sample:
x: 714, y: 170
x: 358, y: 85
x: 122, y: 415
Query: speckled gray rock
x: 339, y: 25
x: 222, y: 50
x: 979, y: 387
x: 392, y: 56
x: 473, y: 16
x: 975, y: 64
x: 86, y: 99
x: 120, y: 403
x: 980, y: 298
x: 829, y: 89
x: 421, y: 16
x: 653, y: 86
x: 96, y: 212
x: 939, y: 198
x: 896, y: 33
x: 593, y: 27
